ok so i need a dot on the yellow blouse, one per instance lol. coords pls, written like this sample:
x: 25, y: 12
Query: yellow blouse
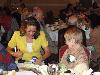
x: 21, y: 44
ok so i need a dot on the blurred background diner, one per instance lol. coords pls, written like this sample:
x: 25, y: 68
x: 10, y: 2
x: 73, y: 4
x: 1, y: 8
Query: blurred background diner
x: 54, y: 18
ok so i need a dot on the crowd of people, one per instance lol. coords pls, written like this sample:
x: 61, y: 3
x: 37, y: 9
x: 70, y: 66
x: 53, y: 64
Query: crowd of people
x: 23, y: 37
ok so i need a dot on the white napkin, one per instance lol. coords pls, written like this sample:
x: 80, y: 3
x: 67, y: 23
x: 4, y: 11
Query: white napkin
x: 96, y: 73
x: 82, y: 69
x: 26, y: 73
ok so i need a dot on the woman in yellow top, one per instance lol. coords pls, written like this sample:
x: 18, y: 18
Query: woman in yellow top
x: 29, y: 40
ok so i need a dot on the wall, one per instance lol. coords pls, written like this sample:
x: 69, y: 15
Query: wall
x: 98, y: 1
x: 46, y: 5
x: 54, y: 5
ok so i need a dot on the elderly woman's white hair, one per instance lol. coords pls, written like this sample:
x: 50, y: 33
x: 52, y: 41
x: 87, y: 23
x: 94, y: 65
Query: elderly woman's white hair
x: 74, y: 33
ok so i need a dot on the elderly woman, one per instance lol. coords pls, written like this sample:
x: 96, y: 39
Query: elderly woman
x: 74, y: 55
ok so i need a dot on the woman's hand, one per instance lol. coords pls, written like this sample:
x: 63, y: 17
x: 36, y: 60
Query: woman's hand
x: 18, y: 54
x: 39, y: 60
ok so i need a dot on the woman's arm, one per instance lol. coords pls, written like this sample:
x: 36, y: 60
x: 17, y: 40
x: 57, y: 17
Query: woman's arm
x: 47, y: 53
x: 10, y: 50
x: 12, y: 43
x: 17, y: 54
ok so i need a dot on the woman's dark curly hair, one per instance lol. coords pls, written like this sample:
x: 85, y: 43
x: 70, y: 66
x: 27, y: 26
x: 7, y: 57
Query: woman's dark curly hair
x: 30, y: 22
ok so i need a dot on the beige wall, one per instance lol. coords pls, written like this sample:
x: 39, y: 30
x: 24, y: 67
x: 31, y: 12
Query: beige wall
x: 46, y: 5
x: 98, y: 1
x: 54, y: 5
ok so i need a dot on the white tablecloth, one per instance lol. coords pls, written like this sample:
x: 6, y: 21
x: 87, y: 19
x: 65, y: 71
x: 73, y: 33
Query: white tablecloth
x: 26, y: 73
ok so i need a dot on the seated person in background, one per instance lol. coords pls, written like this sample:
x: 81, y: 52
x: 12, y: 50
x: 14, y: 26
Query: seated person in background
x: 74, y: 55
x: 2, y: 31
x: 28, y: 41
x: 73, y: 19
x: 38, y: 14
x: 6, y: 61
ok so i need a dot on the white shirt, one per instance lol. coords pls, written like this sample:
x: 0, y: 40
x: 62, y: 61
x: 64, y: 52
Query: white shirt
x: 29, y: 47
